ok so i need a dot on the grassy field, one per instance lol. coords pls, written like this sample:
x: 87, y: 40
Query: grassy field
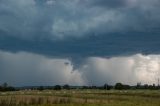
x: 81, y: 98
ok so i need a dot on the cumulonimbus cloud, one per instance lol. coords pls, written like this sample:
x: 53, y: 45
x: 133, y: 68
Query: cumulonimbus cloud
x: 53, y: 19
x: 24, y: 68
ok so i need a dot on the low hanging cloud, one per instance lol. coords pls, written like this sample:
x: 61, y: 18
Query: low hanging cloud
x: 35, y: 25
x: 22, y: 68
x: 54, y: 19
x: 128, y: 70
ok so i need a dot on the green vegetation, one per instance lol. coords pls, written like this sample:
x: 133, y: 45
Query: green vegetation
x: 4, y: 87
x: 80, y: 97
x: 66, y: 95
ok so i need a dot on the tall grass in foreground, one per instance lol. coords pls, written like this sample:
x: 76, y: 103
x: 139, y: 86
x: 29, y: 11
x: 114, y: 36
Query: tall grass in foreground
x: 32, y: 100
x: 80, y: 98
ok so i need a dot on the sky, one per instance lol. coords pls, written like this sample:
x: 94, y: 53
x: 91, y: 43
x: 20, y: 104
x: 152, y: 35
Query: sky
x: 79, y: 42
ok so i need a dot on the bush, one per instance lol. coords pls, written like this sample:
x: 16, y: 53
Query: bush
x: 119, y: 86
x: 66, y: 87
x: 106, y: 86
x: 57, y: 87
x: 5, y: 87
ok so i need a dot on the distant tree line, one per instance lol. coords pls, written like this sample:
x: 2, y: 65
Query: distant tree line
x: 118, y: 86
x: 5, y: 87
x: 56, y: 87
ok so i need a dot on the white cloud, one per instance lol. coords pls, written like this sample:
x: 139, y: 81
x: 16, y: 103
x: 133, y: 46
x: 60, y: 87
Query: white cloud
x: 50, y: 2
x: 129, y: 70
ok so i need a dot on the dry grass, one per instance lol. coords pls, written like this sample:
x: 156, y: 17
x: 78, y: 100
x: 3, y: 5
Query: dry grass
x: 81, y: 97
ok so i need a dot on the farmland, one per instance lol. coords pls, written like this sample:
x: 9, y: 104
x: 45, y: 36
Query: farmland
x: 81, y: 98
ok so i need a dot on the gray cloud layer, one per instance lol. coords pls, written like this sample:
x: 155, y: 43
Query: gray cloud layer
x: 31, y: 69
x: 89, y: 28
x: 51, y: 19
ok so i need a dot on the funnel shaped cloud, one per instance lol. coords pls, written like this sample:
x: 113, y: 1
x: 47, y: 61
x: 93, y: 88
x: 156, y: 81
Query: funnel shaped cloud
x: 24, y: 68
x: 32, y: 69
x: 38, y: 36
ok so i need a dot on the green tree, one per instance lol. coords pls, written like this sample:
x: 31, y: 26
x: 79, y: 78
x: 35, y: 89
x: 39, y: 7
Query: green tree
x: 5, y: 85
x: 41, y: 88
x: 57, y: 87
x: 66, y: 87
x: 119, y: 86
x: 106, y: 86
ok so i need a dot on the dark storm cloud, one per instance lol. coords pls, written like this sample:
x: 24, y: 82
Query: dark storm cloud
x: 80, y: 27
x: 36, y: 37
x: 59, y: 19
x: 106, y: 46
x: 109, y: 3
